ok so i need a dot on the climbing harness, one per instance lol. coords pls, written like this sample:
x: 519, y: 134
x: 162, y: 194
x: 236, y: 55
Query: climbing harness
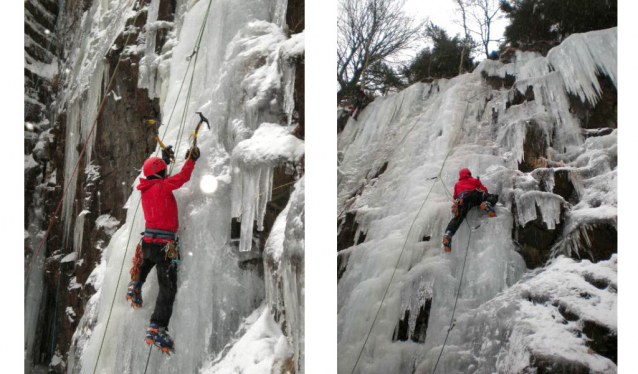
x: 438, y: 179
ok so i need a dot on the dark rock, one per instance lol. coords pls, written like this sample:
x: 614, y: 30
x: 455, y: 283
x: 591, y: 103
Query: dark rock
x: 499, y: 83
x: 602, y: 340
x: 517, y: 97
x: 295, y: 16
x: 342, y: 120
x: 348, y: 228
x: 402, y: 330
x: 535, y: 239
x: 604, y: 114
x: 601, y: 284
x: 600, y: 243
x: 342, y: 264
x: 534, y: 147
x: 564, y: 187
x: 540, y: 364
x: 567, y: 313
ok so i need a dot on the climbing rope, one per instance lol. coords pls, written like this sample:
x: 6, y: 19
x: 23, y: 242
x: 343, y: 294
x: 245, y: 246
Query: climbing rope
x: 37, y: 81
x: 148, y: 358
x: 190, y: 88
x: 138, y: 204
x: 438, y: 179
x: 75, y: 169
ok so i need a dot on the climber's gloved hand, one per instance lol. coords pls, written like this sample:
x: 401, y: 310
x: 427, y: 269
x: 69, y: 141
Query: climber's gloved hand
x: 454, y: 207
x: 193, y: 154
x: 168, y: 154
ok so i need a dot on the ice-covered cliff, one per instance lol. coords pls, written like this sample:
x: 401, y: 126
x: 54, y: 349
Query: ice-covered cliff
x: 537, y: 290
x: 239, y: 64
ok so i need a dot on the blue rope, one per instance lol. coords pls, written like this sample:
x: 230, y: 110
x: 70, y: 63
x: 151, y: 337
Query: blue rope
x: 37, y: 81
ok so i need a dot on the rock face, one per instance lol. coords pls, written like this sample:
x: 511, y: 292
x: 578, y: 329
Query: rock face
x: 121, y: 144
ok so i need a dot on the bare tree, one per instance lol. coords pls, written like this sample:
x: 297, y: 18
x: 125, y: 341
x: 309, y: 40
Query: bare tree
x: 370, y: 31
x: 462, y: 7
x: 484, y: 13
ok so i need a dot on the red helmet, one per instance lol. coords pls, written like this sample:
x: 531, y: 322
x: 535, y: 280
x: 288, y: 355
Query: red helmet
x: 464, y: 173
x: 153, y: 166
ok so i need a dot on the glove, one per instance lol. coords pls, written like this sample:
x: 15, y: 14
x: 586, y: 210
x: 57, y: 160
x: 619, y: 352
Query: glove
x: 167, y: 154
x: 193, y: 153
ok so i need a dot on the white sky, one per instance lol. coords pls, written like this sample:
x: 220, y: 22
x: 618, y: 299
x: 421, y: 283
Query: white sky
x: 442, y: 13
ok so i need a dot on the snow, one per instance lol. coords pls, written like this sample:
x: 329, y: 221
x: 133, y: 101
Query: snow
x: 444, y: 126
x: 108, y: 223
x: 70, y: 257
x: 254, y: 352
x: 271, y: 144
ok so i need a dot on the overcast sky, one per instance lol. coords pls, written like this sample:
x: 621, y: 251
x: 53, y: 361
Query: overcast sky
x: 442, y: 13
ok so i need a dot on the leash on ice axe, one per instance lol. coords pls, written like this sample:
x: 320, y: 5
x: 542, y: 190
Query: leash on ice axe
x: 150, y: 122
x: 202, y: 119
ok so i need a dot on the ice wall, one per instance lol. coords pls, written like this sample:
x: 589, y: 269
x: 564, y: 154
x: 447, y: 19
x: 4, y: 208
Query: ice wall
x: 215, y: 295
x: 398, y: 166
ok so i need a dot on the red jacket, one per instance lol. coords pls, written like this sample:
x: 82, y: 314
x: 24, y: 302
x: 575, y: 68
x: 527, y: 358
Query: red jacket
x: 158, y: 202
x: 466, y: 182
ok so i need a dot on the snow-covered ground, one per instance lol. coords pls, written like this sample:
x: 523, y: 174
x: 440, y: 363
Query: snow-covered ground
x: 426, y: 134
x: 243, y: 84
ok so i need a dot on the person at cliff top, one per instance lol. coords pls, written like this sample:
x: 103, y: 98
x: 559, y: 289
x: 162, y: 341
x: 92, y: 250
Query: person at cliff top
x: 468, y: 193
x: 160, y: 244
x: 358, y: 103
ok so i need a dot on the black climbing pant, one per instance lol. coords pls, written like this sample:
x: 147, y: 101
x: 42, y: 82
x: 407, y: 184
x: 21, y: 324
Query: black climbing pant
x: 470, y: 200
x: 167, y: 278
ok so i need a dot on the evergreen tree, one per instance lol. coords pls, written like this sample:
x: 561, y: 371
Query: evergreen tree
x: 555, y: 20
x: 442, y: 59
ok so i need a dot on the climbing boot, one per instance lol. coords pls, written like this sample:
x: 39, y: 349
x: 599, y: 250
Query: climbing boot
x: 159, y: 337
x: 486, y: 206
x: 134, y: 293
x: 447, y: 241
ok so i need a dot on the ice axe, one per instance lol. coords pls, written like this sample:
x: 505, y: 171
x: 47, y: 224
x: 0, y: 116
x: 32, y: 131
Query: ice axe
x: 151, y: 122
x: 202, y: 119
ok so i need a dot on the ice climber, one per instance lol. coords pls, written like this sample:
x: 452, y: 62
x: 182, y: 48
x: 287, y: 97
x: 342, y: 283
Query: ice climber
x: 160, y: 244
x: 468, y: 193
x: 358, y: 103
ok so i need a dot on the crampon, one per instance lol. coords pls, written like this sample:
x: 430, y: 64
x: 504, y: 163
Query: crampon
x: 486, y: 206
x: 447, y: 242
x: 159, y: 337
x: 134, y: 293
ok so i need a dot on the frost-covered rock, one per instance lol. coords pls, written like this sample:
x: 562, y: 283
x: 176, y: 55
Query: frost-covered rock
x: 513, y: 126
x: 252, y: 163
